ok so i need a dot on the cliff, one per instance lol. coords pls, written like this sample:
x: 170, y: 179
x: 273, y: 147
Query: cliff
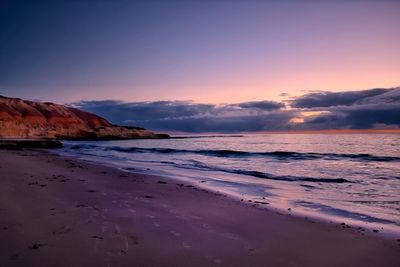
x: 28, y: 119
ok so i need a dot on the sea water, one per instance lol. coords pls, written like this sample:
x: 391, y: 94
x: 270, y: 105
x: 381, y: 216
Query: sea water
x: 352, y: 178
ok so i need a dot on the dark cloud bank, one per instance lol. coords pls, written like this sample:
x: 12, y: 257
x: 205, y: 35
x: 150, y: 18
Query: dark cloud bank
x: 367, y: 109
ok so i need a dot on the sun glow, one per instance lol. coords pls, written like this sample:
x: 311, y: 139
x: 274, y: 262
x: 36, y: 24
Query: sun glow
x: 297, y: 120
x: 306, y: 114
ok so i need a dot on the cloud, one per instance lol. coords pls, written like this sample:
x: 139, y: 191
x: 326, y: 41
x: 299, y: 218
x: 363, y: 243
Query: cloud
x: 358, y: 117
x: 329, y: 99
x: 323, y: 110
x: 119, y: 112
x: 230, y: 124
x: 192, y: 117
x: 262, y: 105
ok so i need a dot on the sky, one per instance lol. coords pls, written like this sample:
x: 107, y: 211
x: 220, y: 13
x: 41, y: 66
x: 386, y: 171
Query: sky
x: 211, y: 54
x: 365, y: 109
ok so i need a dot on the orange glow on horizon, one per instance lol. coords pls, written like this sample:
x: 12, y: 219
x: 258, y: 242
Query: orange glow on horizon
x: 336, y: 131
x: 297, y: 120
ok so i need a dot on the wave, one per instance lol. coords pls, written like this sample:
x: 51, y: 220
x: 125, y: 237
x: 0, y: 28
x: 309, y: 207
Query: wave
x: 197, y: 165
x: 280, y: 155
x: 286, y: 178
x: 263, y: 175
x: 192, y: 164
x: 205, y: 136
x: 342, y: 213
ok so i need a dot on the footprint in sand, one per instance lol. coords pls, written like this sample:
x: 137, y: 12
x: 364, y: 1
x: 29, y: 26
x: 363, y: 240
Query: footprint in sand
x: 218, y: 261
x: 110, y: 227
x: 185, y: 245
x: 213, y: 259
x: 182, y: 217
x: 208, y: 227
x: 174, y: 211
x: 62, y: 230
x: 117, y: 229
x: 231, y: 236
x: 176, y: 233
x: 113, y: 239
x: 118, y: 245
x: 134, y: 239
x: 126, y: 243
x: 105, y: 226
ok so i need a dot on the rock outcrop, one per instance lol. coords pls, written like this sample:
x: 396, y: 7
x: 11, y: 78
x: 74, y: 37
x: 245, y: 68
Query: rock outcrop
x: 28, y: 119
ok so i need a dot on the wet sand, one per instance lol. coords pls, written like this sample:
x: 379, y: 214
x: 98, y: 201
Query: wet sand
x: 56, y: 211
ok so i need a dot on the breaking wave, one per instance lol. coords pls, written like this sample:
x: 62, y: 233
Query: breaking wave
x: 282, y: 155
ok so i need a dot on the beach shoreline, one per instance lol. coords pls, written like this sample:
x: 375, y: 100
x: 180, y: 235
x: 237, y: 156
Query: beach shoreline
x: 60, y: 211
x: 385, y: 231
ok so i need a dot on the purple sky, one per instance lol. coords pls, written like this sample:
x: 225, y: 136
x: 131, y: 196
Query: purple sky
x: 206, y: 51
x: 208, y: 66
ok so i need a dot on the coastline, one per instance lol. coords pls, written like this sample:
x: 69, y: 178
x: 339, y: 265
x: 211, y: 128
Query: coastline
x: 59, y: 211
x: 385, y: 231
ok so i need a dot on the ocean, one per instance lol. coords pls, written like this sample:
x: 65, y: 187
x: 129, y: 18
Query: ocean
x: 351, y: 178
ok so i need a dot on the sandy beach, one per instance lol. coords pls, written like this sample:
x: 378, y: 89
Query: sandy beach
x: 57, y: 211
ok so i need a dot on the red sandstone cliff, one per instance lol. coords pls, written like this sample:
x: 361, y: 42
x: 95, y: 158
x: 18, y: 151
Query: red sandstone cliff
x: 27, y: 119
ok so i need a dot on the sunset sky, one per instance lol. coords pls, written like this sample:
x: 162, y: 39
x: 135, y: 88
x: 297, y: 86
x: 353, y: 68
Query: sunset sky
x: 207, y: 52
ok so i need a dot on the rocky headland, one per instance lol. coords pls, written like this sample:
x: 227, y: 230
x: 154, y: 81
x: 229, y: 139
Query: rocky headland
x: 23, y: 119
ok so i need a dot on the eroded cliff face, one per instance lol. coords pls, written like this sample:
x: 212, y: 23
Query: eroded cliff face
x: 28, y: 119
